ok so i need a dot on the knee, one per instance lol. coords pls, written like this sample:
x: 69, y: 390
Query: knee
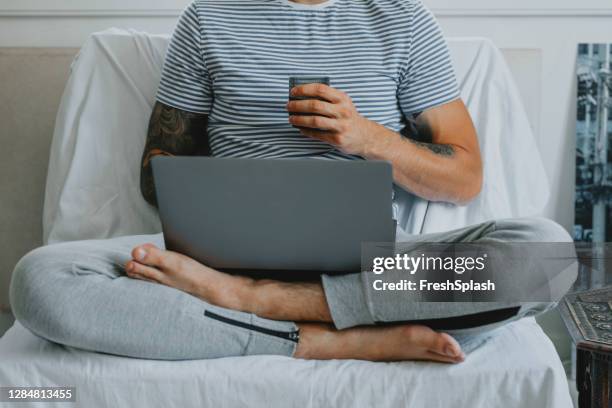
x: 31, y: 285
x: 546, y: 230
x: 534, y: 229
x: 556, y: 257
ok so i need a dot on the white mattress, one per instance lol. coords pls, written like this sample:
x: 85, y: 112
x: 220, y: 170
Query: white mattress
x: 516, y: 367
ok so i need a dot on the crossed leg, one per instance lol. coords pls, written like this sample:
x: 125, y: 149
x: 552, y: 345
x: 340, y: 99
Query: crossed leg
x: 78, y: 294
x: 317, y: 340
x: 308, y: 302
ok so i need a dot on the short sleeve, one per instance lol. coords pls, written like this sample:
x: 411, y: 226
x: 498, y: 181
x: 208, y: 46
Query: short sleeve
x: 185, y: 83
x: 428, y: 79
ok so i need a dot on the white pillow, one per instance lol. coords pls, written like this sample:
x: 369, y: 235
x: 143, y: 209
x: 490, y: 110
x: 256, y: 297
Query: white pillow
x: 93, y: 180
x: 94, y: 169
x: 515, y: 182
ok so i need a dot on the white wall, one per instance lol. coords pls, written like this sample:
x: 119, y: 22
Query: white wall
x: 554, y: 27
x: 80, y: 5
x: 521, y: 7
x: 48, y: 23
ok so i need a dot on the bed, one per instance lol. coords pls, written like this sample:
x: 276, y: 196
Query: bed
x: 92, y: 192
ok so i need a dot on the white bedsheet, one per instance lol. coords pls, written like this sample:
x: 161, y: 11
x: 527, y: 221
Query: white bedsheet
x: 516, y: 368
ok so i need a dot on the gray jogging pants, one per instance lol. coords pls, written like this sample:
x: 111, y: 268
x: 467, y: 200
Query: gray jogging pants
x: 77, y: 294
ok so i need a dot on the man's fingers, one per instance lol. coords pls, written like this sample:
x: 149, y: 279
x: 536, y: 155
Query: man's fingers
x: 314, y: 122
x: 318, y: 91
x: 314, y: 106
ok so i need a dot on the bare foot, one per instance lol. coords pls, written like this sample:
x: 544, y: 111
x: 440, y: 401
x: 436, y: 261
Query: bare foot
x: 181, y: 272
x: 390, y: 343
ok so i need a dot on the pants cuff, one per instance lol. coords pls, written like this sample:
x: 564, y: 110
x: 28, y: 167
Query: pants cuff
x: 347, y: 300
x: 266, y: 344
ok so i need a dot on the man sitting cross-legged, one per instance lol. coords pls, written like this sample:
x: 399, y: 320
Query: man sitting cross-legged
x: 223, y: 92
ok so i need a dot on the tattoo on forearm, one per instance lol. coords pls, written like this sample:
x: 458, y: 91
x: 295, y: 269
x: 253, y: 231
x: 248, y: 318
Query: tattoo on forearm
x: 172, y: 132
x: 441, y: 149
x: 419, y: 132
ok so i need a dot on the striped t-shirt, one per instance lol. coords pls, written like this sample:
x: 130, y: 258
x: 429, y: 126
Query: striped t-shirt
x: 232, y: 59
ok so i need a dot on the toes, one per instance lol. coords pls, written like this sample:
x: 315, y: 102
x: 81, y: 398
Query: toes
x: 431, y: 356
x: 439, y: 343
x: 149, y: 254
x: 447, y: 346
x: 142, y: 278
x: 139, y: 271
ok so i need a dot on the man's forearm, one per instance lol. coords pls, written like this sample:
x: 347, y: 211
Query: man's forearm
x: 447, y: 167
x: 437, y: 172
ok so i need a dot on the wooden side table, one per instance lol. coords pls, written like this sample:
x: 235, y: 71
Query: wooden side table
x: 588, y: 318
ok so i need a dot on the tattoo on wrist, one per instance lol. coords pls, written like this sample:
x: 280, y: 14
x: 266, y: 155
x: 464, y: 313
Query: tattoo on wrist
x: 419, y: 133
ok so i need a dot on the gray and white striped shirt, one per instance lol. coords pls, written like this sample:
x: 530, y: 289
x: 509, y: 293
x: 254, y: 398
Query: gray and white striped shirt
x: 232, y: 59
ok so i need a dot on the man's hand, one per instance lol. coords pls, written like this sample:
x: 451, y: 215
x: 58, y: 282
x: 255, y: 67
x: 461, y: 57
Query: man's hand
x: 335, y: 121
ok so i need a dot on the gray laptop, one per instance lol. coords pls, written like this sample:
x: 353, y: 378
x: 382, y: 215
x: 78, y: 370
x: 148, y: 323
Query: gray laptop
x: 250, y: 216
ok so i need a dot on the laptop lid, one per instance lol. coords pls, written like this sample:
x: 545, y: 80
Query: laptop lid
x: 280, y: 214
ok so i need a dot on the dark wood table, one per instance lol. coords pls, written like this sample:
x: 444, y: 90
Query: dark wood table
x: 588, y: 318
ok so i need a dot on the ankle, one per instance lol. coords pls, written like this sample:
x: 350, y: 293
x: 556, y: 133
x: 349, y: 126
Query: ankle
x: 235, y: 292
x: 315, y: 341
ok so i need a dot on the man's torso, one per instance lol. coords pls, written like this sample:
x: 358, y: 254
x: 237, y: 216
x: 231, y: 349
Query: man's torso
x: 253, y: 47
